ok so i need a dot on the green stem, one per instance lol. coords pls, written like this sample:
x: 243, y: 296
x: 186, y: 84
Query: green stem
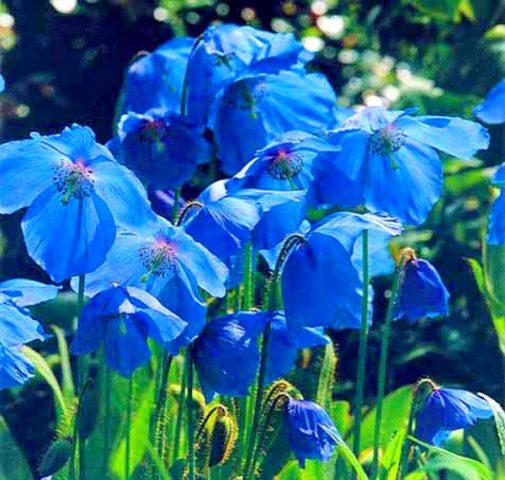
x: 106, y: 419
x: 128, y: 428
x: 386, y: 335
x: 190, y: 421
x: 346, y: 452
x: 248, y: 279
x: 175, y: 208
x: 180, y: 411
x: 161, y: 404
x: 362, y: 352
x: 81, y: 377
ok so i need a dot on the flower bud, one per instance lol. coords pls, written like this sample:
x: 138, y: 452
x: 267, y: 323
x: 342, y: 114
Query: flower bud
x: 56, y: 457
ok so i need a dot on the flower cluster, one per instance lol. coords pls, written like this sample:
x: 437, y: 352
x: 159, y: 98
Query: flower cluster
x: 243, y: 100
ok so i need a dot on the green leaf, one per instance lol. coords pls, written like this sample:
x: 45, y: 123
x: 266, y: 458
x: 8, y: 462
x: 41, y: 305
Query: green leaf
x: 44, y: 370
x: 13, y: 464
x: 291, y: 471
x: 327, y: 377
x: 499, y: 419
x: 340, y: 413
x: 467, y: 468
x: 390, y: 463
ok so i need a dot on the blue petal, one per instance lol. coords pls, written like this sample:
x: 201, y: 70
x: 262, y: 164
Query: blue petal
x: 445, y: 133
x: 90, y: 331
x: 123, y: 193
x: 70, y: 239
x: 155, y: 80
x: 24, y: 292
x: 492, y: 110
x: 262, y: 105
x: 405, y: 186
x: 422, y: 292
x: 17, y: 327
x: 499, y: 176
x: 496, y: 231
x: 15, y: 369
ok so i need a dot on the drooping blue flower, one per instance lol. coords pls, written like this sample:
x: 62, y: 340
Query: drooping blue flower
x: 311, y: 432
x: 121, y: 319
x: 161, y: 147
x: 225, y: 52
x: 170, y: 265
x: 263, y: 106
x: 17, y: 328
x: 447, y: 409
x: 77, y: 195
x: 392, y: 158
x: 322, y: 282
x: 422, y: 292
x: 492, y: 109
x: 496, y: 230
x: 298, y: 161
x: 156, y: 80
x: 226, y: 353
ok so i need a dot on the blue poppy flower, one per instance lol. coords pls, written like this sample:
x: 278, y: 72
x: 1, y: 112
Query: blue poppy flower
x: 225, y: 52
x: 445, y: 410
x: 322, y: 282
x: 170, y: 265
x: 496, y: 230
x: 391, y: 157
x: 226, y: 353
x: 156, y: 80
x: 18, y: 328
x: 311, y: 432
x: 77, y: 195
x: 422, y: 292
x: 162, y: 148
x: 263, y: 106
x: 121, y: 319
x: 492, y: 109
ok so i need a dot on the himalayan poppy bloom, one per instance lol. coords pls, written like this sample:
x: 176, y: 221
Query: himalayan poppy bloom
x: 162, y: 148
x: 322, y: 283
x: 170, y: 265
x: 447, y: 409
x: 121, y: 319
x: 312, y: 434
x: 298, y: 161
x: 77, y: 196
x: 496, y: 231
x: 225, y: 52
x: 263, y: 106
x: 492, y: 109
x: 391, y: 156
x: 18, y: 328
x: 422, y: 292
x: 227, y: 354
x: 155, y: 80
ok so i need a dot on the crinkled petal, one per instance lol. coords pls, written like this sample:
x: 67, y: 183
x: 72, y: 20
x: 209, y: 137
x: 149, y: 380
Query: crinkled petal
x: 492, y: 109
x: 496, y: 230
x: 24, y: 292
x: 70, y: 239
x: 15, y: 369
x: 17, y: 327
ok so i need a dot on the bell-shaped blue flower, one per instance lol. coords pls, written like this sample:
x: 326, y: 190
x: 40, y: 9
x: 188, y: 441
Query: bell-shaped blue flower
x: 496, y: 230
x: 225, y: 52
x: 226, y: 353
x: 121, y: 319
x: 391, y: 156
x: 77, y: 195
x: 445, y: 410
x: 162, y: 148
x: 298, y: 161
x: 422, y: 292
x: 17, y: 327
x: 263, y: 106
x: 170, y: 265
x: 492, y: 109
x: 322, y: 283
x: 155, y: 80
x: 312, y: 434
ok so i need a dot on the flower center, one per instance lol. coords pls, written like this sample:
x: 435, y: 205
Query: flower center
x: 387, y: 140
x: 158, y: 258
x: 284, y: 165
x: 73, y: 180
x: 153, y: 131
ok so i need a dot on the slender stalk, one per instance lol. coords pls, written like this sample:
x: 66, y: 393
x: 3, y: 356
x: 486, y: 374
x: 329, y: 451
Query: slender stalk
x: 189, y: 412
x: 106, y: 419
x: 161, y: 403
x: 386, y: 335
x: 362, y: 352
x: 81, y: 377
x: 248, y: 279
x: 128, y: 428
x: 180, y: 412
